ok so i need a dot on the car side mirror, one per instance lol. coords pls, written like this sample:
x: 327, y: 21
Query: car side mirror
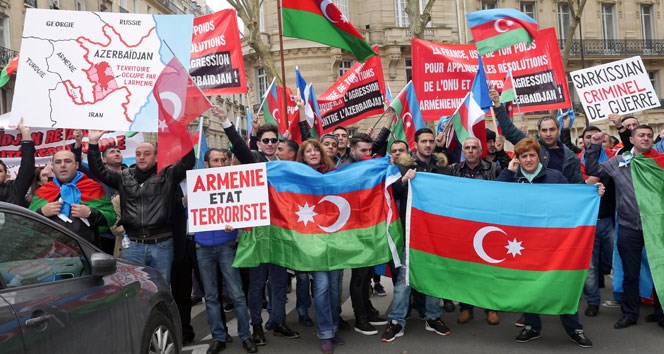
x: 102, y: 264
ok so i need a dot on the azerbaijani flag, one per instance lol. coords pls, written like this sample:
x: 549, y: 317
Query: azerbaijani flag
x: 8, y: 71
x: 499, y: 28
x: 468, y: 120
x: 272, y: 107
x: 509, y: 91
x: 408, y: 118
x: 508, y: 256
x: 321, y: 21
x: 343, y: 219
x: 200, y: 146
x: 648, y: 179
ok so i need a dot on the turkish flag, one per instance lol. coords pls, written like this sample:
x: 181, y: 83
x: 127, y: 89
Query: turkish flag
x: 180, y: 102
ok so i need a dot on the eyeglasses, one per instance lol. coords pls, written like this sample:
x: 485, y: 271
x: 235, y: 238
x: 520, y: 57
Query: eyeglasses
x: 270, y: 141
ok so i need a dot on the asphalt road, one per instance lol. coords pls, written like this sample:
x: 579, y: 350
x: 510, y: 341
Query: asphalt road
x: 473, y: 337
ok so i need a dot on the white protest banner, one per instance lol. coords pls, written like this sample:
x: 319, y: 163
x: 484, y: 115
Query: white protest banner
x: 234, y: 195
x: 96, y: 70
x: 50, y: 141
x: 619, y: 87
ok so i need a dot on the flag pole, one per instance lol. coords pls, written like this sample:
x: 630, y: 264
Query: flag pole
x: 380, y: 118
x: 281, y: 55
x: 399, y: 95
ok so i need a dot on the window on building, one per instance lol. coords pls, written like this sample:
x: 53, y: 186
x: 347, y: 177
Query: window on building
x: 488, y: 5
x: 654, y: 80
x: 647, y: 23
x: 123, y: 6
x: 4, y: 32
x: 409, y: 69
x: 261, y: 82
x: 80, y: 5
x: 351, y: 131
x: 529, y: 8
x: 148, y: 10
x: 136, y: 6
x: 608, y: 21
x: 564, y: 20
x: 342, y: 5
x: 400, y: 14
x: 344, y: 65
x: 261, y: 17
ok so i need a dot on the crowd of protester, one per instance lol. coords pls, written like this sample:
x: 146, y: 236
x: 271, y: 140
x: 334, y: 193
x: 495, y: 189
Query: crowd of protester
x: 140, y: 215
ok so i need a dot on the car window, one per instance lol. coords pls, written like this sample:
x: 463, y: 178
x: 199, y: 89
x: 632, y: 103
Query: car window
x: 32, y: 252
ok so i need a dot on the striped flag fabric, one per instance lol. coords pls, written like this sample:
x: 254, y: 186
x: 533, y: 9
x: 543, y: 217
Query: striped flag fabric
x: 272, y: 107
x: 343, y: 219
x: 311, y: 110
x: 648, y: 179
x: 500, y: 28
x: 408, y: 118
x: 468, y: 120
x: 8, y: 71
x: 509, y: 91
x: 321, y: 21
x: 507, y: 256
x: 200, y: 146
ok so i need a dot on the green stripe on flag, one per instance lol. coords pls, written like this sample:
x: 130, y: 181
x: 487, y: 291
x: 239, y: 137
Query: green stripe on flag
x: 504, y: 40
x: 310, y: 26
x: 495, y: 288
x: 310, y: 252
x: 648, y: 180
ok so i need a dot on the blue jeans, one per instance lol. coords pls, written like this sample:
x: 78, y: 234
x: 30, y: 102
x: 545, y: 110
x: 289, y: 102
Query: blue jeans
x: 211, y: 258
x: 604, y: 241
x: 570, y: 322
x: 401, y: 301
x: 302, y: 293
x: 257, y: 279
x: 326, y: 302
x: 157, y: 255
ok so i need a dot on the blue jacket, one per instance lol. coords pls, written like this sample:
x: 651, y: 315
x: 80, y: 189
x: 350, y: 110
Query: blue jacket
x: 214, y: 238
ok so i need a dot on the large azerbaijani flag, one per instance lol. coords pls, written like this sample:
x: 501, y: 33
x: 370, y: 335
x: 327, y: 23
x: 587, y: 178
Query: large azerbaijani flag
x: 499, y: 28
x: 343, y: 219
x: 648, y: 179
x: 507, y: 256
x: 407, y: 118
x: 321, y: 21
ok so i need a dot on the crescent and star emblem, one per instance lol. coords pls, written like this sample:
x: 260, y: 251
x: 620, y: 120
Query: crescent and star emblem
x: 323, y: 8
x: 513, y: 247
x: 407, y: 121
x: 175, y: 101
x: 274, y: 114
x: 306, y: 213
x: 508, y: 24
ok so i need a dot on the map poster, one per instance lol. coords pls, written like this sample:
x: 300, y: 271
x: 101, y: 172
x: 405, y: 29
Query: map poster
x: 217, y: 66
x: 619, y: 87
x: 95, y: 70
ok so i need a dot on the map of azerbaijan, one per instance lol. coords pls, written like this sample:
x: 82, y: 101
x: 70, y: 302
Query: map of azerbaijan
x: 95, y: 70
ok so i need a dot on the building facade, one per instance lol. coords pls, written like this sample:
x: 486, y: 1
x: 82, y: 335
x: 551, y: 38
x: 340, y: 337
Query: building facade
x: 609, y: 31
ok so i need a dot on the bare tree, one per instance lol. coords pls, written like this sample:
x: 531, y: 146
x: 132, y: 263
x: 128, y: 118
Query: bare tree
x: 418, y: 20
x: 575, y: 10
x: 249, y: 12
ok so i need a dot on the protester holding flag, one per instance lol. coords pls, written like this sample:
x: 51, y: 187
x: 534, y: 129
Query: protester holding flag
x: 554, y: 154
x: 625, y: 125
x: 421, y: 160
x: 631, y: 231
x: 267, y: 135
x: 526, y: 168
x: 327, y: 289
x: 14, y: 191
x: 495, y: 152
x: 73, y: 200
x: 146, y: 201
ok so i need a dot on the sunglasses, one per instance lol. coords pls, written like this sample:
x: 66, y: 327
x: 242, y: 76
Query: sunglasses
x: 270, y: 141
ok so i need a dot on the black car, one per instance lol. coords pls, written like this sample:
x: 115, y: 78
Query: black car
x: 60, y: 294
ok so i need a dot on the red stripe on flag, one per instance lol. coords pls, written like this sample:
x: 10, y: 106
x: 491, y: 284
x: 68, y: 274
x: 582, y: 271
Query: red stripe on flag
x: 543, y: 248
x: 306, y: 5
x: 332, y: 13
x: 366, y: 210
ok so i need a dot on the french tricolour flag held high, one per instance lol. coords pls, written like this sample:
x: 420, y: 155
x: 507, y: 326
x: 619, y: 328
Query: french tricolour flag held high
x: 499, y: 28
x: 528, y: 253
x: 343, y: 219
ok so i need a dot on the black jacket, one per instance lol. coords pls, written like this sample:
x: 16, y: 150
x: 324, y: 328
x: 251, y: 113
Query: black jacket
x: 145, y: 207
x: 14, y: 191
x: 546, y: 175
x: 487, y: 171
x: 240, y: 149
x: 570, y: 170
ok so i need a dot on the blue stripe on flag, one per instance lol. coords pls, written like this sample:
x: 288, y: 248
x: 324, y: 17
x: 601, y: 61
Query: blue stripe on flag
x: 515, y: 204
x: 479, y: 17
x: 296, y: 177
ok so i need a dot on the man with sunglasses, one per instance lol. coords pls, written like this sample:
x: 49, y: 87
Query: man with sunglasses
x: 267, y: 135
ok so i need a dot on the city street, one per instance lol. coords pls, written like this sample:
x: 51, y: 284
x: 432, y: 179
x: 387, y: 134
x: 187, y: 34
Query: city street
x: 474, y: 337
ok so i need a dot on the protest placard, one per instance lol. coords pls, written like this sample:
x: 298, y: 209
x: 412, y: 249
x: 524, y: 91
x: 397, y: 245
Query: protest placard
x: 234, y: 195
x: 50, y: 141
x: 217, y: 67
x: 619, y: 87
x: 95, y: 70
x: 356, y: 95
x: 443, y: 74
